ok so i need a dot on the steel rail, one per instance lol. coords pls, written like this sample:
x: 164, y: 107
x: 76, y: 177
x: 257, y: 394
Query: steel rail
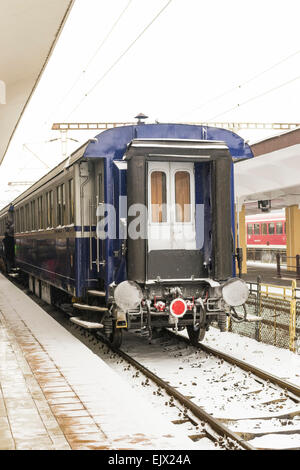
x: 244, y: 365
x: 214, y: 423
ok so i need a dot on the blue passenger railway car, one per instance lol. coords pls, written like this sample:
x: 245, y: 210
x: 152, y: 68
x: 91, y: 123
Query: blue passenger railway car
x: 135, y: 230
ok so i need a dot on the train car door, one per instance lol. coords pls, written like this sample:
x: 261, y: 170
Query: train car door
x: 171, y: 206
x: 98, y: 254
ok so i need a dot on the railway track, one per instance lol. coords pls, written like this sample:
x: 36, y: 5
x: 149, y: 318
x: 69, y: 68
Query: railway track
x: 226, y: 432
x: 221, y: 427
x: 284, y: 384
x: 198, y: 412
x: 284, y: 423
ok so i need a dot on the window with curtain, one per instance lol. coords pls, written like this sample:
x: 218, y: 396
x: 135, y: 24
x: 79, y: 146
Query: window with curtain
x: 183, y: 196
x: 158, y: 197
x: 22, y: 224
x: 71, y: 201
x: 49, y: 198
x: 48, y: 210
x: 63, y: 205
x: 27, y: 218
x: 59, y: 205
x: 40, y: 212
x: 33, y: 225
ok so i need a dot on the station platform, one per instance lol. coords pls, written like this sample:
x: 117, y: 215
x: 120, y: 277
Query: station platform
x: 268, y: 275
x: 55, y: 393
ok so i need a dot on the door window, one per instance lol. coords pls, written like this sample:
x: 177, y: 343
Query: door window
x: 158, y: 197
x: 183, y: 196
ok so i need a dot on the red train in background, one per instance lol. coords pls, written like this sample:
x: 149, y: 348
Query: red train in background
x: 266, y: 236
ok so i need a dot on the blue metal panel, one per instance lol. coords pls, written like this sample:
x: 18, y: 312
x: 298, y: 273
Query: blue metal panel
x: 113, y: 142
x: 112, y: 146
x: 49, y: 258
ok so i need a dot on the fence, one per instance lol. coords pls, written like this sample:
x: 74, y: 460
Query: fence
x: 266, y: 255
x: 292, y: 263
x: 279, y: 310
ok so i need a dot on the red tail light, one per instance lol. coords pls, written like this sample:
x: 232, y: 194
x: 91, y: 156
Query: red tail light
x: 178, y: 308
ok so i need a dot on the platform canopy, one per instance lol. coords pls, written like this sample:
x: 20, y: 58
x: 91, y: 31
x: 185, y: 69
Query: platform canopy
x: 29, y: 30
x: 274, y: 173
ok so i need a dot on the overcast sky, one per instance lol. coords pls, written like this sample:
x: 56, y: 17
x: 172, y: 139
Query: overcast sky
x: 193, y: 52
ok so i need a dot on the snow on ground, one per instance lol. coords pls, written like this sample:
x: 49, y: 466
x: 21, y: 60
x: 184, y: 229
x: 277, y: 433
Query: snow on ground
x: 224, y: 390
x: 156, y: 397
x: 265, y: 265
x: 276, y: 441
x: 125, y: 414
x: 278, y: 361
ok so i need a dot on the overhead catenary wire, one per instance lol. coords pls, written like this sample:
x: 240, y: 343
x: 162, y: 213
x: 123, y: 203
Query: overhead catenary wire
x: 254, y: 98
x: 120, y: 57
x: 84, y: 70
x: 246, y: 82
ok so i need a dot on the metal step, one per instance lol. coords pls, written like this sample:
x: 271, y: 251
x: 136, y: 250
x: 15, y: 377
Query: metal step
x: 91, y: 308
x: 96, y: 293
x: 88, y: 325
x: 13, y: 274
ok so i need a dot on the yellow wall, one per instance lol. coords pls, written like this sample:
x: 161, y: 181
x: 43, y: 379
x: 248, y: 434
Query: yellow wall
x: 292, y: 214
x: 242, y: 237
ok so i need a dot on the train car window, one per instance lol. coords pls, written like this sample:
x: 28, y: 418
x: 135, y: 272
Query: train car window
x: 17, y: 221
x: 71, y: 201
x: 264, y: 229
x: 49, y: 197
x: 271, y: 228
x: 100, y: 188
x: 40, y: 212
x: 22, y: 219
x: 158, y: 197
x: 48, y: 209
x: 249, y: 229
x: 279, y: 228
x: 256, y: 229
x: 51, y: 209
x: 33, y: 221
x: 30, y: 225
x: 59, y: 205
x: 27, y: 218
x: 183, y: 196
x: 63, y: 204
